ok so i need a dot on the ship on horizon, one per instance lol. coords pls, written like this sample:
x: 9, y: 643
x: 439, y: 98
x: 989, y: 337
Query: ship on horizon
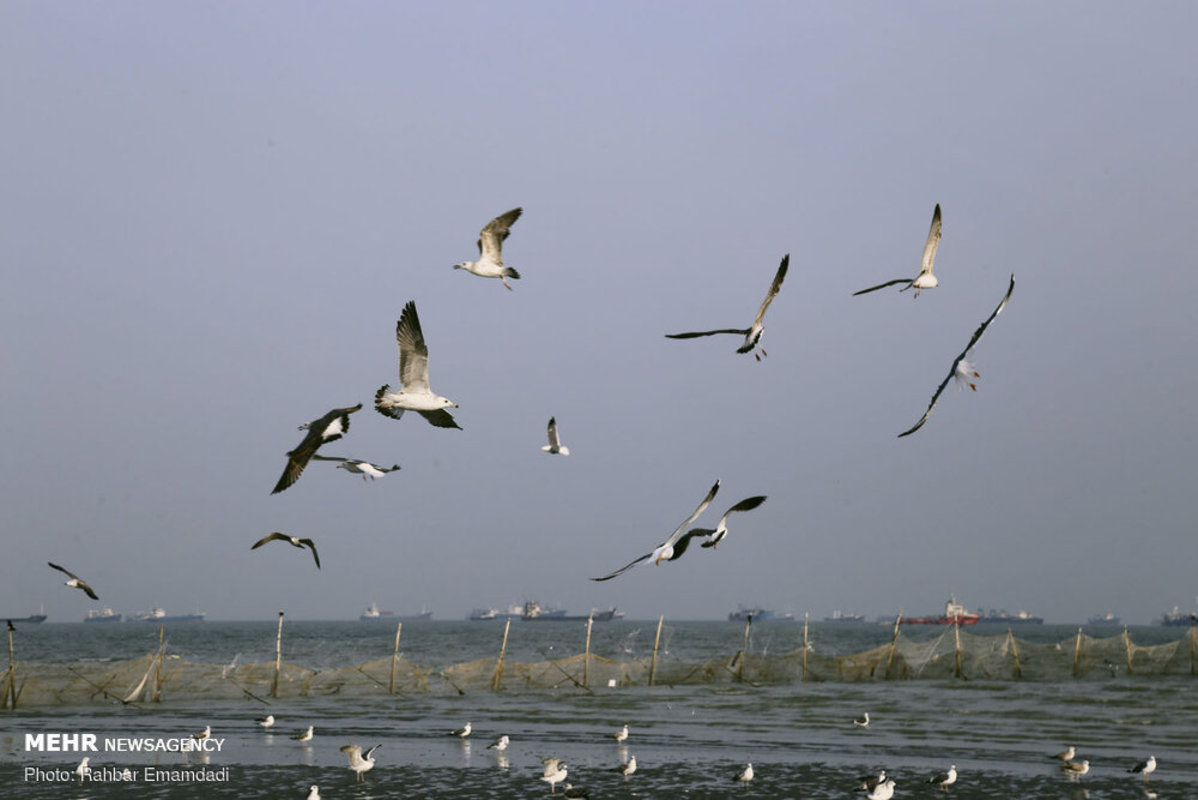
x: 373, y: 614
x: 759, y: 614
x: 102, y: 615
x: 954, y: 614
x: 160, y: 615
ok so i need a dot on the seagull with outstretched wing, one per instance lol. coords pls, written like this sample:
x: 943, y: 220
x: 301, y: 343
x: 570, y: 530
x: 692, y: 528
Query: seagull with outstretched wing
x: 75, y: 581
x: 294, y: 541
x: 925, y: 279
x: 330, y: 427
x: 357, y: 466
x: 753, y: 333
x: 963, y: 369
x: 413, y: 374
x: 673, y: 547
x: 721, y: 529
x: 555, y: 445
x: 490, y: 249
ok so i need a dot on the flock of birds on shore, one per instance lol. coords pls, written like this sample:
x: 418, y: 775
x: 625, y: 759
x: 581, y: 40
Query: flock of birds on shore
x: 415, y: 394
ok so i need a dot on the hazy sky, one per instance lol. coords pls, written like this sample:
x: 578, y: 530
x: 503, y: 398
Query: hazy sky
x: 211, y: 215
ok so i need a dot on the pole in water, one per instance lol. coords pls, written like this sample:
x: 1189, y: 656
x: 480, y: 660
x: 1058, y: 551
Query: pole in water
x: 158, y: 667
x: 744, y: 648
x: 893, y: 642
x: 1127, y: 644
x: 957, y: 646
x: 1017, y: 671
x: 804, y: 675
x: 586, y: 663
x: 1077, y: 652
x: 11, y: 689
x: 497, y: 680
x: 656, y: 642
x: 274, y: 687
x: 394, y: 658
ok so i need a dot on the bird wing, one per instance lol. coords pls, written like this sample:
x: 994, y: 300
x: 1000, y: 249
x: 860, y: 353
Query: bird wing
x: 335, y: 423
x: 933, y: 242
x: 625, y: 568
x: 695, y: 515
x: 774, y: 287
x: 331, y: 458
x: 87, y: 589
x: 413, y: 352
x: 684, y: 541
x: 312, y: 545
x: 883, y: 286
x: 370, y: 751
x: 977, y: 335
x: 553, y: 440
x: 63, y: 570
x: 270, y: 537
x: 748, y: 504
x: 354, y: 752
x: 440, y: 418
x: 693, y: 334
x: 490, y: 238
x: 332, y: 425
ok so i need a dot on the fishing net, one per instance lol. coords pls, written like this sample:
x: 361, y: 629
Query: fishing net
x: 953, y: 654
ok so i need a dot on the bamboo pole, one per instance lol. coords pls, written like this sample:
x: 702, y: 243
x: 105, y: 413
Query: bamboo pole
x: 893, y: 642
x: 1127, y: 647
x: 274, y: 686
x: 1018, y: 670
x: 957, y: 647
x: 1077, y: 652
x: 394, y: 658
x: 586, y: 664
x: 656, y: 641
x: 497, y: 680
x: 1193, y: 649
x: 744, y: 648
x: 804, y: 675
x: 158, y: 672
x: 12, y: 670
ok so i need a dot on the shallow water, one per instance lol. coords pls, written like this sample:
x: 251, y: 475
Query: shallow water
x: 689, y: 741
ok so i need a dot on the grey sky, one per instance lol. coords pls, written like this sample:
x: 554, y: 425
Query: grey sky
x: 212, y: 215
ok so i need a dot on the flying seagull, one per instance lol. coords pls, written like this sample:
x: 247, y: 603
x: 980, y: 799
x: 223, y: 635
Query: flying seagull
x: 962, y: 370
x: 1145, y: 768
x: 555, y: 445
x: 752, y: 334
x: 721, y: 529
x: 925, y: 279
x: 330, y: 427
x: 413, y: 374
x: 673, y: 547
x: 360, y: 762
x: 357, y: 466
x: 945, y: 779
x: 490, y: 249
x: 294, y: 541
x: 75, y: 581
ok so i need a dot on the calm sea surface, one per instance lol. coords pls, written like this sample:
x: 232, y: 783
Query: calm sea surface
x: 689, y: 741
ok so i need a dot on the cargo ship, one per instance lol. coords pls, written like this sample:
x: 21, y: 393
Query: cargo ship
x: 954, y: 614
x: 102, y: 615
x: 1178, y: 617
x: 372, y: 614
x: 1007, y: 618
x: 759, y: 614
x: 34, y: 619
x: 160, y: 615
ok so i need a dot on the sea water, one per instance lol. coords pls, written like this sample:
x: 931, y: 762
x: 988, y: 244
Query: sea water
x: 689, y: 741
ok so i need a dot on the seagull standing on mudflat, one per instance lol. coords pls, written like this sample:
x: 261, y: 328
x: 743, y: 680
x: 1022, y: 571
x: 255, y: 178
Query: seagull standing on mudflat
x: 753, y: 333
x: 962, y: 369
x: 461, y: 733
x: 673, y: 547
x: 883, y: 791
x: 305, y: 736
x: 746, y: 774
x: 360, y: 762
x: 555, y: 445
x: 294, y: 541
x: 328, y: 428
x: 721, y: 529
x: 357, y: 466
x: 490, y: 249
x: 945, y: 779
x: 267, y: 721
x: 75, y: 581
x: 500, y: 744
x: 1066, y: 755
x: 1145, y: 768
x: 554, y: 777
x: 925, y: 279
x: 413, y: 374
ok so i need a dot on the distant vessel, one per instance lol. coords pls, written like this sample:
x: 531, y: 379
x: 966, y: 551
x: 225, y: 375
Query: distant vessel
x: 102, y: 615
x: 372, y: 614
x: 954, y: 614
x: 514, y: 611
x: 534, y: 613
x: 743, y: 614
x: 1018, y: 618
x: 838, y: 616
x: 159, y: 615
x: 1109, y: 618
x: 1178, y: 617
x: 32, y: 618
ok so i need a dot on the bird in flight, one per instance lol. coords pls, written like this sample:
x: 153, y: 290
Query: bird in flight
x: 753, y: 333
x: 294, y: 541
x: 330, y: 427
x: 75, y: 581
x: 721, y: 529
x: 962, y: 369
x: 413, y: 374
x: 925, y: 279
x: 490, y: 249
x: 673, y: 547
x: 555, y: 445
x: 357, y: 466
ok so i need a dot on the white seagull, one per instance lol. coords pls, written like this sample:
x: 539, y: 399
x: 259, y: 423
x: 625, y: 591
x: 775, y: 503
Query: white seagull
x: 746, y: 774
x: 75, y: 581
x: 574, y: 792
x: 862, y: 721
x: 673, y: 547
x: 868, y: 782
x: 360, y: 762
x: 721, y: 529
x: 294, y: 541
x: 925, y: 279
x: 490, y: 249
x: 305, y: 736
x: 945, y: 779
x: 883, y: 791
x: 83, y: 769
x: 621, y: 735
x: 204, y: 734
x: 266, y: 721
x: 1066, y: 755
x: 962, y: 369
x: 313, y: 792
x: 555, y: 445
x: 461, y: 733
x: 413, y: 374
x: 500, y: 744
x: 752, y: 334
x: 1145, y: 768
x: 328, y: 428
x: 357, y: 466
x: 554, y: 777
x: 627, y: 768
x: 1075, y: 769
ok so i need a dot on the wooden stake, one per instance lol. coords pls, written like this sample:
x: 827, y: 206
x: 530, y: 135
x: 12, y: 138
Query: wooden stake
x: 158, y: 672
x: 744, y: 649
x: 274, y: 687
x: 12, y: 670
x: 1018, y: 670
x: 497, y: 680
x: 1193, y: 649
x: 394, y: 658
x: 1077, y: 652
x: 893, y: 642
x: 804, y: 675
x: 957, y: 647
x: 1127, y: 646
x: 586, y: 664
x: 656, y: 642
